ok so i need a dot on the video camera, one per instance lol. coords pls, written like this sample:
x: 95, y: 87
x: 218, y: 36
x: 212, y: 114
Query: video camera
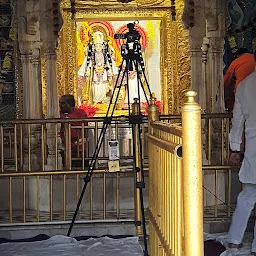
x: 131, y: 36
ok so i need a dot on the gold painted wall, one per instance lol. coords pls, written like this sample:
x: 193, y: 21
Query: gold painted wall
x: 175, y: 61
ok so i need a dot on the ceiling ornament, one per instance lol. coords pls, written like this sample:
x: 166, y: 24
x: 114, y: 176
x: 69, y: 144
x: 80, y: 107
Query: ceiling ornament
x: 173, y: 10
x: 77, y: 4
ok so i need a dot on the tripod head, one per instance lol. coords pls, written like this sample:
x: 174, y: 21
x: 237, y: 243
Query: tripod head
x: 132, y: 35
x: 132, y: 48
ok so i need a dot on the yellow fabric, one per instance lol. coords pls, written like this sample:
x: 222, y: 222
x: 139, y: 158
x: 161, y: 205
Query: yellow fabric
x: 80, y: 49
x: 118, y: 57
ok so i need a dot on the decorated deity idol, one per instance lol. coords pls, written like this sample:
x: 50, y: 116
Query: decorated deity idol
x: 98, y: 69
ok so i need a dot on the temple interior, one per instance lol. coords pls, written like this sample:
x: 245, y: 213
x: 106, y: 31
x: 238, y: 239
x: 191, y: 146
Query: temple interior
x: 106, y: 85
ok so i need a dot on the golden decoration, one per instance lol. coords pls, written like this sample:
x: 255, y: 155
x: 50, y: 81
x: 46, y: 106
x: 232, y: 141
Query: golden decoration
x: 7, y: 63
x: 151, y: 33
x: 12, y: 34
x: 115, y: 4
x: 80, y: 49
x: 117, y: 54
x: 232, y: 41
x: 43, y: 77
x: 175, y: 60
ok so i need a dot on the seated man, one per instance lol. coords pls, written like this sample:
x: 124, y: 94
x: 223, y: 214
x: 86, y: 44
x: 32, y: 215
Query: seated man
x: 68, y: 110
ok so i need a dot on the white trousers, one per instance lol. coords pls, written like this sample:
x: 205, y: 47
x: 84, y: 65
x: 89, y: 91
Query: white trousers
x: 245, y: 204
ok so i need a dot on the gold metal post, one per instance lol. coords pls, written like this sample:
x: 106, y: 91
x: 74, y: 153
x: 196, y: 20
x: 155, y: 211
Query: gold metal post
x: 104, y: 196
x: 51, y: 197
x: 77, y: 188
x: 38, y: 198
x: 96, y: 136
x: 192, y: 174
x: 137, y: 173
x: 64, y: 197
x: 67, y: 146
x: 216, y: 188
x: 24, y: 199
x: 91, y: 198
x: 117, y: 196
x: 10, y: 144
x: 15, y: 148
x: 209, y: 142
x: 70, y: 147
x: 153, y: 111
x: 2, y: 148
x: 83, y: 149
x: 10, y: 198
x: 56, y: 146
x: 29, y: 147
x: 229, y: 193
x: 42, y: 147
x: 21, y: 147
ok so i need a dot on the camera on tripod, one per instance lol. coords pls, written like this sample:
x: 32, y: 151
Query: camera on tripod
x: 132, y: 35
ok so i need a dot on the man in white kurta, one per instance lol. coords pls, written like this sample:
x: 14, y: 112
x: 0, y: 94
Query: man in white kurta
x: 244, y: 113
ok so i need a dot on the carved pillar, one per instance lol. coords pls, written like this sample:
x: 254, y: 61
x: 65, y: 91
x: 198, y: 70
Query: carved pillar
x: 205, y: 100
x: 26, y: 54
x: 54, y: 158
x: 32, y: 107
x: 196, y: 35
x: 49, y: 37
x: 215, y: 31
x: 37, y: 82
x: 196, y: 69
x: 215, y: 73
x: 205, y: 92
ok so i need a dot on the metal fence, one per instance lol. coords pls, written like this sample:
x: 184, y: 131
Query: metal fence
x: 175, y: 184
x: 43, y: 163
x: 28, y: 147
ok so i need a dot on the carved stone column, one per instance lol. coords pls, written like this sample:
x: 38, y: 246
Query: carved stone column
x: 215, y: 31
x: 52, y: 108
x: 215, y: 34
x: 196, y: 35
x: 197, y: 70
x: 215, y: 73
x: 37, y: 81
x: 205, y: 98
x: 26, y: 57
x: 32, y: 107
x: 205, y: 91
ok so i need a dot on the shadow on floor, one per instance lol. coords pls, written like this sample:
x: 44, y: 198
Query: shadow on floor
x: 213, y: 248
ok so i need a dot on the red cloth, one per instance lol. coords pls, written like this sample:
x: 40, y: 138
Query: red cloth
x: 76, y: 134
x: 239, y: 69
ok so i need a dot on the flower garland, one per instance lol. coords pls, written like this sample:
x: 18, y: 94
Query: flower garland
x: 89, y: 110
x: 145, y: 107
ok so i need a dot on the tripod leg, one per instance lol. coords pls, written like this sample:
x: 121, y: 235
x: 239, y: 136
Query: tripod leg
x: 143, y: 223
x: 139, y: 178
x: 142, y: 68
x: 140, y: 85
x: 107, y: 121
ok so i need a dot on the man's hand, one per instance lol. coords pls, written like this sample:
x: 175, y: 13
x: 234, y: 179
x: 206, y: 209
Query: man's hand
x: 234, y: 158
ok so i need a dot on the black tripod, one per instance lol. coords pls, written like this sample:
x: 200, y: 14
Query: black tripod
x: 132, y: 60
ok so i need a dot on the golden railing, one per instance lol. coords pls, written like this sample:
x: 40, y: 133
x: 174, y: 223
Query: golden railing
x: 175, y: 183
x: 220, y: 180
x: 22, y: 140
x: 41, y: 177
